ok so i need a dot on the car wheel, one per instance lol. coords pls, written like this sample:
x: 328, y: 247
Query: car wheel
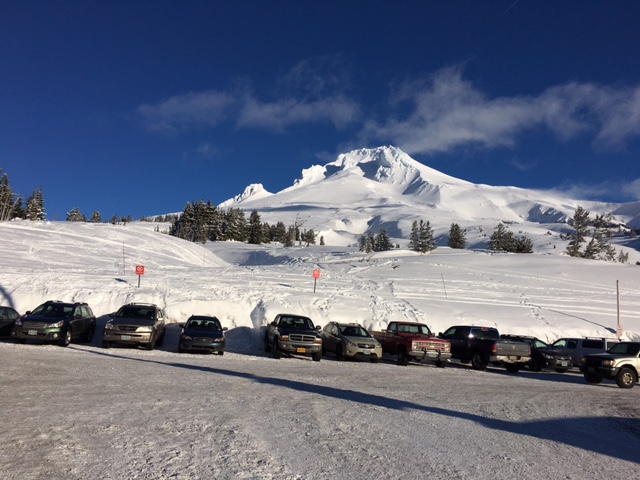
x: 403, y: 358
x: 88, y: 336
x: 512, y: 367
x: 534, y: 365
x: 626, y: 378
x: 339, y: 354
x: 181, y: 350
x: 562, y: 370
x: 317, y: 356
x: 592, y: 378
x: 221, y: 352
x: 106, y: 344
x: 275, y: 351
x: 441, y: 363
x: 66, y: 340
x: 477, y: 362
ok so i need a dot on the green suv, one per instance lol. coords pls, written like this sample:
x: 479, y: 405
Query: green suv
x: 57, y: 322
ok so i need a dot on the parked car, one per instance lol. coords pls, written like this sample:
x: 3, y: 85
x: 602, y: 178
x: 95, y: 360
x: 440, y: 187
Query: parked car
x: 579, y: 347
x: 620, y: 363
x: 56, y: 321
x: 350, y: 340
x: 482, y: 346
x: 139, y: 324
x: 293, y: 335
x: 202, y: 334
x: 8, y: 316
x: 543, y: 355
x: 413, y: 341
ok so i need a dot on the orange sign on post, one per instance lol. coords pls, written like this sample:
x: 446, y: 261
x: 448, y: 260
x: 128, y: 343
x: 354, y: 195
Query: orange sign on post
x: 316, y: 276
x: 139, y: 272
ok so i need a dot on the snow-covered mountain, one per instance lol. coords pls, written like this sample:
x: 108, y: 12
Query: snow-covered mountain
x: 371, y: 189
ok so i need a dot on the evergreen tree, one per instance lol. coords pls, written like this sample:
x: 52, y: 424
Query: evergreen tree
x: 236, y: 225
x: 35, y: 206
x: 7, y: 199
x: 309, y: 237
x: 414, y: 239
x: 19, y: 211
x: 290, y: 237
x: 580, y: 223
x: 322, y: 240
x: 426, y: 243
x: 114, y: 219
x: 598, y: 247
x: 75, y: 216
x: 96, y: 217
x: 501, y: 239
x: 254, y: 230
x: 382, y: 242
x: 457, y: 237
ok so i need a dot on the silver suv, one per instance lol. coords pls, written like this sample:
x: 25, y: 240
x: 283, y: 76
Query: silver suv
x: 579, y: 347
x: 621, y: 363
x: 140, y: 324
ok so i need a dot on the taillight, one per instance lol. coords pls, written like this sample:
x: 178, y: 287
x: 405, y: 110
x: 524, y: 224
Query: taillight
x: 494, y: 348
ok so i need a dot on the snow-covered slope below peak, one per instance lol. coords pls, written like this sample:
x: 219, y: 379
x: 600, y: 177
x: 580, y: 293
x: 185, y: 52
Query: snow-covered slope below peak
x: 255, y: 191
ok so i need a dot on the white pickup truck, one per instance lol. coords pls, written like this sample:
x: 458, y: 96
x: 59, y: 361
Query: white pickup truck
x: 620, y: 363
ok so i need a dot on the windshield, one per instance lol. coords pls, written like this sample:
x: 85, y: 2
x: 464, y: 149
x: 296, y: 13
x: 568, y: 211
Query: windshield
x: 53, y: 310
x: 625, y: 348
x: 408, y: 328
x: 539, y: 344
x: 204, y: 324
x: 353, y: 331
x: 136, y: 312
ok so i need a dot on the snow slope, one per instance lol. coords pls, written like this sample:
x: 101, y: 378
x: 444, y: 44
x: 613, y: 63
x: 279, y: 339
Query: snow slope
x: 84, y: 412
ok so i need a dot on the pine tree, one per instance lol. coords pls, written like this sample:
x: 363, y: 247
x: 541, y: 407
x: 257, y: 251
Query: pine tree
x: 75, y: 215
x: 426, y: 243
x: 457, y: 237
x: 279, y: 233
x: 254, y: 229
x: 580, y: 223
x: 501, y: 239
x: 322, y: 240
x: 7, y: 199
x: 414, y: 239
x: 309, y: 237
x: 19, y: 210
x: 114, y: 219
x: 35, y: 206
x: 382, y: 242
x: 96, y: 217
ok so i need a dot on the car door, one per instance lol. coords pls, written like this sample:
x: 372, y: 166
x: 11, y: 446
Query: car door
x: 457, y: 336
x: 77, y: 322
x: 329, y: 338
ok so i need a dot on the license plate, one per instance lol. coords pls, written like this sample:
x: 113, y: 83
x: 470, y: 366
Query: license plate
x: 301, y: 350
x: 366, y: 352
x: 125, y: 337
x: 564, y: 364
x: 32, y: 332
x: 591, y: 369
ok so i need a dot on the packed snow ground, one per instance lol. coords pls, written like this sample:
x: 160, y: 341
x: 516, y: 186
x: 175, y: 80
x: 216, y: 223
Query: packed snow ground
x: 85, y: 412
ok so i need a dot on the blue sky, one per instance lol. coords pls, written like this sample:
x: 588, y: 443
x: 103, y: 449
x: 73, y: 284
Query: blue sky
x: 137, y: 107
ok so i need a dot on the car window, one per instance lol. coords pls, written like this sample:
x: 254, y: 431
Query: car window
x: 625, y: 348
x: 539, y: 344
x: 354, y: 331
x: 572, y: 343
x: 595, y: 344
x: 485, y: 332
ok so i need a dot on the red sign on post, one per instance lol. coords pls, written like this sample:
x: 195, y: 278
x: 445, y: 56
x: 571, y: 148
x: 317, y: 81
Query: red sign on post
x: 139, y: 269
x: 316, y: 273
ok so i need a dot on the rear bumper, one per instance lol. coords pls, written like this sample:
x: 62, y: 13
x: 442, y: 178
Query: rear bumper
x: 508, y: 359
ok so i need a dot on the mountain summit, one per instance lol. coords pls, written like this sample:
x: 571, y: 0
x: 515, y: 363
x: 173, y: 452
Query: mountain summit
x: 371, y: 189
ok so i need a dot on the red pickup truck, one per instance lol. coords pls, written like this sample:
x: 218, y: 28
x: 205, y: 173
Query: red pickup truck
x: 413, y: 341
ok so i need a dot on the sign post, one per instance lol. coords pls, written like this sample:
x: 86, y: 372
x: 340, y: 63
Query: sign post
x: 316, y: 276
x: 139, y: 272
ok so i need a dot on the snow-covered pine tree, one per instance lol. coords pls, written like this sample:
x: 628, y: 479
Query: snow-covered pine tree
x: 35, y: 206
x: 457, y: 237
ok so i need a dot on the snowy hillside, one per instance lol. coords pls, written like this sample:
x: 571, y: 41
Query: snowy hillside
x: 371, y: 189
x: 247, y: 285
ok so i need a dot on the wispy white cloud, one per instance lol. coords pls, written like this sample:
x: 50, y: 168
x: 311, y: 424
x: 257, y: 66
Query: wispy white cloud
x: 632, y: 189
x: 447, y: 112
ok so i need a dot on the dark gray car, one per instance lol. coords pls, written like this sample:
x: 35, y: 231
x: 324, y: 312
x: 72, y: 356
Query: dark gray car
x: 8, y: 316
x: 202, y: 334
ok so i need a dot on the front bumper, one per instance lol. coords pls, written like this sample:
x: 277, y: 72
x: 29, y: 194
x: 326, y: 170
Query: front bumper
x: 126, y: 338
x: 41, y: 334
x: 610, y: 373
x: 355, y: 351
x: 300, y: 348
x: 201, y: 345
x: 433, y: 355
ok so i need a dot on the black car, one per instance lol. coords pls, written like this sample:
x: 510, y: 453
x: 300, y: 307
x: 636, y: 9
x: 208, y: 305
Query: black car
x: 140, y: 324
x: 543, y: 355
x: 56, y: 321
x: 202, y: 334
x: 8, y: 316
x: 293, y: 335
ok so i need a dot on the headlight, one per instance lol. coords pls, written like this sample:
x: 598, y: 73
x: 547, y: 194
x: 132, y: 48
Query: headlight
x: 144, y: 329
x: 108, y: 326
x: 547, y: 356
x: 218, y: 339
x: 186, y: 337
x: 18, y: 322
x: 350, y: 344
x: 284, y: 338
x: 55, y: 325
x: 318, y: 341
x: 608, y: 363
x: 583, y: 360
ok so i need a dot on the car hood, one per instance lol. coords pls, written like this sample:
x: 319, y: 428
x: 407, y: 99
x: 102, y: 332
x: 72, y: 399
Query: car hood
x: 293, y: 331
x: 194, y: 332
x: 370, y: 340
x: 141, y: 322
x: 43, y: 319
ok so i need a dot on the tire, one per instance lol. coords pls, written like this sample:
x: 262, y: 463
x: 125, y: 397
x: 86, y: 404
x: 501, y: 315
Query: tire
x: 534, y: 365
x: 512, y: 367
x: 592, y: 378
x: 66, y: 340
x: 317, y: 356
x: 339, y: 354
x: 626, y: 378
x: 106, y: 344
x: 181, y: 350
x: 441, y: 363
x: 88, y: 336
x: 277, y: 354
x: 562, y: 370
x: 403, y: 358
x: 477, y: 362
x: 160, y: 341
x: 221, y: 352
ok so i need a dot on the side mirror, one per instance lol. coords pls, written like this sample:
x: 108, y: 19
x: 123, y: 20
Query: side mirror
x: 274, y: 323
x: 181, y: 325
x: 318, y: 327
x: 28, y: 312
x: 224, y: 329
x: 440, y: 334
